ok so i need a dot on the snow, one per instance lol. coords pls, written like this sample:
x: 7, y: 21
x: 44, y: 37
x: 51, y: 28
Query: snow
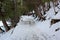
x: 2, y: 26
x: 52, y: 30
x: 44, y: 26
x: 6, y: 35
x: 57, y: 16
x: 27, y: 20
x: 1, y: 23
x: 29, y: 28
x: 28, y: 31
x: 50, y: 13
x: 57, y: 35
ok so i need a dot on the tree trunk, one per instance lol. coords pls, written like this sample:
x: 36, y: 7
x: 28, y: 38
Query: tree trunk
x: 5, y: 24
x: 39, y: 14
x: 1, y: 30
x: 14, y: 21
x: 15, y: 18
x: 44, y: 9
x: 3, y: 19
x: 54, y: 7
x: 48, y: 5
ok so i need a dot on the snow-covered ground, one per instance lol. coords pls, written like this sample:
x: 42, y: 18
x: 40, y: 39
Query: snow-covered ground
x: 30, y: 29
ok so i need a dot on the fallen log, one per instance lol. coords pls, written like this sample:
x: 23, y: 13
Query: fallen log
x: 53, y: 21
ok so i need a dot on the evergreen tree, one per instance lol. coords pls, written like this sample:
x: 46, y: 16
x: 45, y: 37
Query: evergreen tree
x: 3, y: 14
x: 34, y: 5
x: 10, y: 9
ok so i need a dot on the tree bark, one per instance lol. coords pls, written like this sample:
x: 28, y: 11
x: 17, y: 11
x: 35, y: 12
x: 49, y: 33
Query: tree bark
x: 54, y: 7
x: 3, y: 19
x: 14, y: 21
x: 39, y: 14
x: 5, y: 24
x: 15, y: 18
x: 1, y: 30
